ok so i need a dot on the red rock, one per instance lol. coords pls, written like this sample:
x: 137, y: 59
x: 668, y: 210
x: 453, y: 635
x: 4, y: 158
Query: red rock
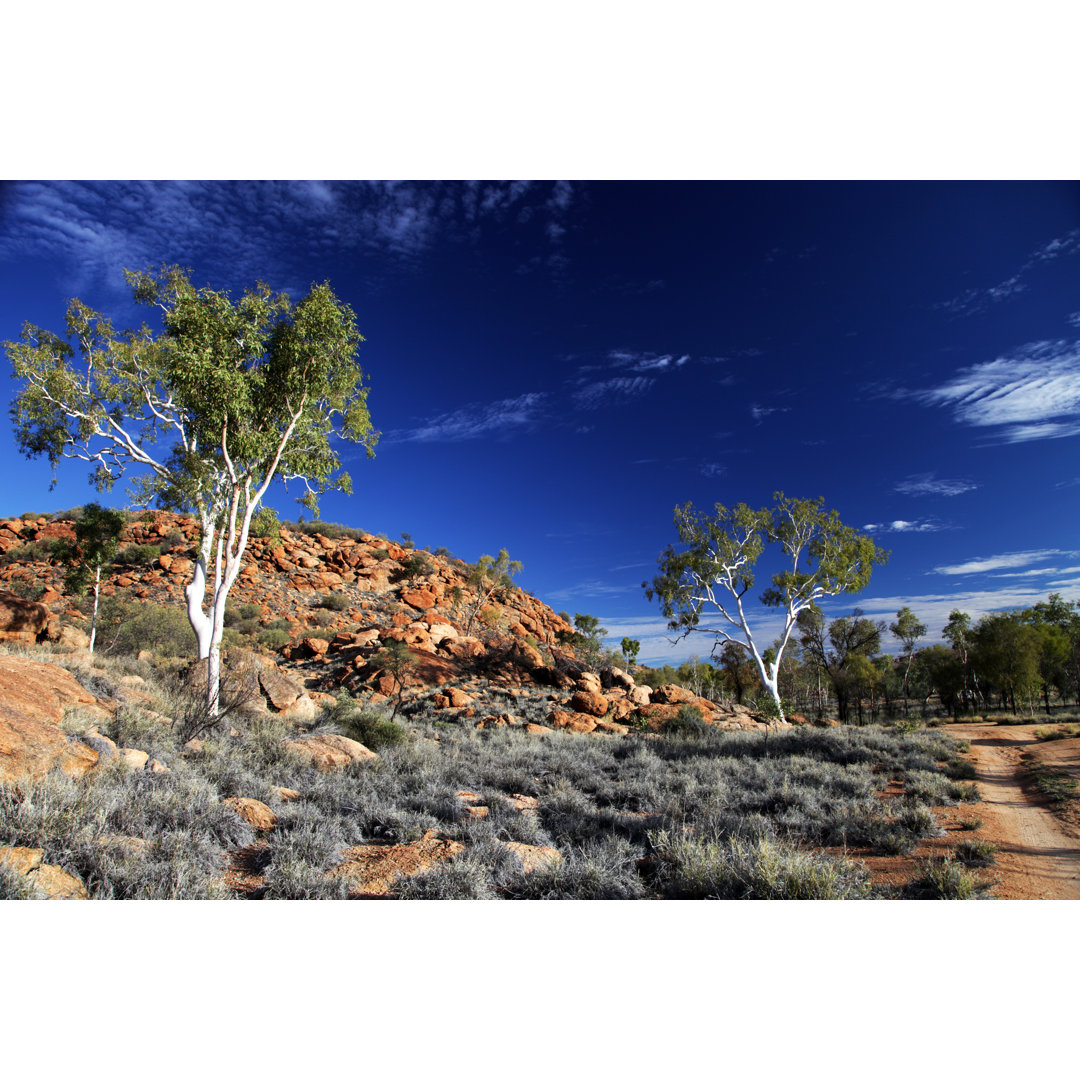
x: 372, y: 870
x: 328, y: 752
x: 534, y: 857
x: 21, y: 617
x: 33, y: 699
x: 257, y: 814
x: 571, y: 721
x: 421, y: 599
x: 590, y: 702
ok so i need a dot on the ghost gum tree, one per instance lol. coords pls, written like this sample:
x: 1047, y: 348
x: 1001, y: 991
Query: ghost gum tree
x: 714, y: 571
x: 226, y: 398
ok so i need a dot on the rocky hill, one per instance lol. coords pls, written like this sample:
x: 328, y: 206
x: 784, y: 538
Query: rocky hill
x: 337, y: 602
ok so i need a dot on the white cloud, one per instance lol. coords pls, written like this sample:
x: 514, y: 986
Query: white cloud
x: 647, y: 361
x: 474, y: 421
x: 974, y: 300
x: 711, y: 470
x: 608, y: 392
x: 901, y: 526
x: 1000, y: 562
x: 244, y: 230
x: 1033, y: 394
x: 929, y: 484
x: 759, y: 412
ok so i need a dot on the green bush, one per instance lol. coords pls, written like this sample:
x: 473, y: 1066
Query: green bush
x: 369, y: 727
x: 137, y: 555
x: 944, y: 879
x: 125, y: 627
x: 173, y: 540
x: 35, y: 551
x: 274, y: 639
x: 334, y: 601
x: 415, y: 565
x: 265, y: 524
x: 687, y: 724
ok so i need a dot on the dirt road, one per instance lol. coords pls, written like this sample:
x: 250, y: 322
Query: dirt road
x: 1037, y: 857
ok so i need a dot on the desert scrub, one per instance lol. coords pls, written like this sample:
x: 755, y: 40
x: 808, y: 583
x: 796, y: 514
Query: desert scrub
x: 943, y: 878
x: 127, y: 835
x: 1056, y: 785
x: 604, y: 868
x: 1066, y: 731
x: 692, y: 867
x: 976, y: 852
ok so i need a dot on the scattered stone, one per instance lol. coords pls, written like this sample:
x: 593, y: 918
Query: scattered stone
x: 257, y: 814
x: 533, y: 856
x: 372, y: 870
x: 328, y: 752
x: 133, y: 759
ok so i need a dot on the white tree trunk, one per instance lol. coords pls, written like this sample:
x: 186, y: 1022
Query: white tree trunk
x: 93, y: 620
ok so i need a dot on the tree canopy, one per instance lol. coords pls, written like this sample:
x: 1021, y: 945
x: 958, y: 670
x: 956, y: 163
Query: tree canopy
x: 228, y: 396
x: 716, y: 569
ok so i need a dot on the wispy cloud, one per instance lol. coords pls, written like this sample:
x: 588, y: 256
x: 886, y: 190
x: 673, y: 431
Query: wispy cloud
x: 759, y: 412
x: 930, y: 484
x: 607, y: 392
x: 1001, y: 562
x: 1032, y: 394
x: 646, y: 361
x: 972, y: 301
x: 475, y: 420
x: 711, y: 470
x: 899, y: 526
x: 247, y: 229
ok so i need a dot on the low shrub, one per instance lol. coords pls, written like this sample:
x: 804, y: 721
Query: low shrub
x: 976, y: 852
x: 137, y: 555
x: 368, y: 726
x: 687, y: 724
x: 334, y: 602
x: 943, y: 878
x: 274, y: 639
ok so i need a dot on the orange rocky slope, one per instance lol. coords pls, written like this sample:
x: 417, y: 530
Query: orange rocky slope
x: 512, y: 650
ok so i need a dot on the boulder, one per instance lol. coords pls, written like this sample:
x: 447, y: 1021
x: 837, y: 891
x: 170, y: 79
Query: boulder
x: 373, y: 869
x: 21, y: 620
x: 280, y: 690
x: 257, y: 814
x: 52, y: 881
x: 33, y: 699
x: 570, y: 721
x: 329, y: 752
x: 133, y: 759
x: 591, y: 702
x: 534, y: 856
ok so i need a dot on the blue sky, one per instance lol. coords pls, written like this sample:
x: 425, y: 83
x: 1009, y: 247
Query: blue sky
x: 555, y: 365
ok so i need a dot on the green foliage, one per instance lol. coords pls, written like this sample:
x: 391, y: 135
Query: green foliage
x: 716, y: 569
x: 140, y: 555
x: 334, y: 602
x: 944, y: 879
x: 274, y: 638
x: 687, y: 723
x: 489, y: 577
x: 126, y: 627
x: 34, y: 551
x: 265, y: 523
x: 173, y: 540
x: 630, y: 648
x: 372, y: 729
x: 415, y: 565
